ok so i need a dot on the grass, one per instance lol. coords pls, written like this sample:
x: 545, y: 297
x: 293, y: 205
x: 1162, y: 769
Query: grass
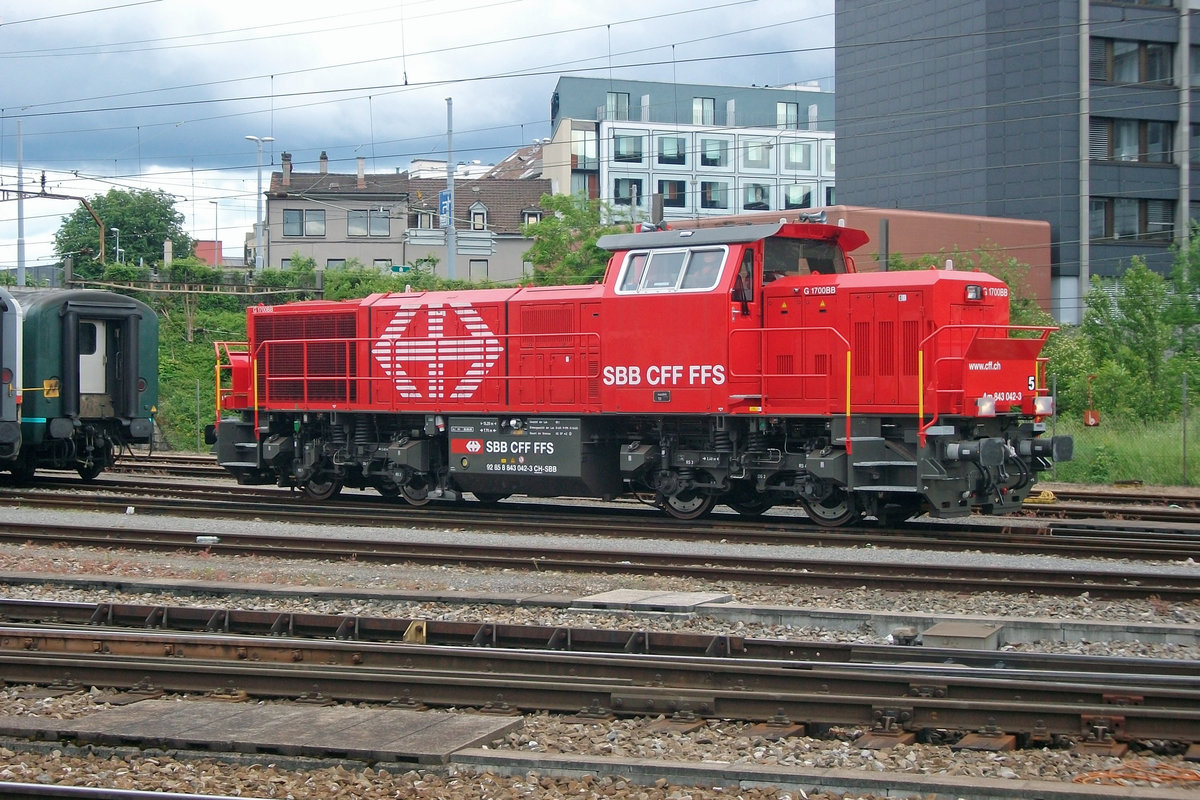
x: 1130, y: 450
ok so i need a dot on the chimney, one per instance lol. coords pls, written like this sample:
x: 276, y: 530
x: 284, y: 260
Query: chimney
x: 287, y: 169
x: 362, y: 180
x: 324, y: 163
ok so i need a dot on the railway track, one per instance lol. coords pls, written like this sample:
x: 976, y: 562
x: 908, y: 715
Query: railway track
x: 1111, y: 538
x: 1038, y: 701
x: 769, y: 566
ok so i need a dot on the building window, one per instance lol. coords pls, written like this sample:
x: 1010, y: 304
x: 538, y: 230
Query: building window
x: 303, y: 222
x: 584, y: 153
x: 714, y: 152
x: 368, y: 223
x: 798, y: 195
x: 531, y: 217
x: 1122, y: 61
x: 285, y: 263
x: 424, y: 220
x: 714, y: 194
x: 479, y: 217
x: 627, y: 148
x: 704, y: 111
x: 1130, y: 140
x: 477, y: 269
x: 797, y: 156
x: 1194, y: 69
x: 674, y: 193
x: 380, y: 223
x: 1194, y: 149
x: 756, y: 153
x: 628, y: 191
x: 828, y: 160
x: 335, y: 263
x: 830, y: 195
x: 616, y: 105
x: 382, y: 264
x: 756, y: 197
x: 787, y: 115
x: 672, y: 151
x: 1130, y: 219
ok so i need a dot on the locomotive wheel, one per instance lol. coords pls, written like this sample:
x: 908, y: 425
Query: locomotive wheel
x: 490, y: 498
x: 745, y: 501
x: 415, y: 495
x: 688, y: 505
x: 836, y: 510
x: 322, y: 486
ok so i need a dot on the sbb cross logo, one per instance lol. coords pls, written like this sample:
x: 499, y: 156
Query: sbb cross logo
x: 470, y: 446
x: 417, y: 361
x: 474, y: 446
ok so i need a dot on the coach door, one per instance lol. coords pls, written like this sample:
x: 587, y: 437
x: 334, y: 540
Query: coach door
x: 95, y: 399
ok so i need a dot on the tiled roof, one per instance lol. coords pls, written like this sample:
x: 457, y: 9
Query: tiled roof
x: 523, y: 164
x: 505, y: 198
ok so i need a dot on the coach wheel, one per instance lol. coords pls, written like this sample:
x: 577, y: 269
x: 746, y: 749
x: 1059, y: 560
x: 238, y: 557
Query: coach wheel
x: 322, y: 486
x: 836, y: 510
x: 22, y: 470
x: 90, y: 470
x: 688, y: 504
x: 743, y: 499
x: 490, y: 498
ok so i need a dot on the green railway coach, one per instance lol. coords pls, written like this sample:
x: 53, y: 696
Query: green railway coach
x: 90, y: 378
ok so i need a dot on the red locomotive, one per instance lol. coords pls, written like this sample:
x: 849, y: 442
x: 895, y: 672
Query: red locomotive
x: 746, y: 365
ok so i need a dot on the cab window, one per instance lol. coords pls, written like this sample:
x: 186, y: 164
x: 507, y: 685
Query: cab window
x: 682, y: 269
x: 786, y: 257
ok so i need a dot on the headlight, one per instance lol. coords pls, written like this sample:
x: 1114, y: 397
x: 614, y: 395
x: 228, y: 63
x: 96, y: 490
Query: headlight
x: 986, y: 406
x: 1043, y: 406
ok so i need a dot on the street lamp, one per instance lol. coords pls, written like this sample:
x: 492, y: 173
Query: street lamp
x: 117, y: 233
x: 216, y: 232
x: 258, y: 223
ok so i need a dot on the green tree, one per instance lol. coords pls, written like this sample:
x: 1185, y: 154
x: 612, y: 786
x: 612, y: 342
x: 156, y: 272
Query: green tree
x: 1131, y: 342
x: 146, y: 219
x: 564, y: 249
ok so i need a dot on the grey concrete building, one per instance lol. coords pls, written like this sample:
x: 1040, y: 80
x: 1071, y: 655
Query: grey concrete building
x: 392, y: 219
x: 706, y: 150
x: 1077, y: 113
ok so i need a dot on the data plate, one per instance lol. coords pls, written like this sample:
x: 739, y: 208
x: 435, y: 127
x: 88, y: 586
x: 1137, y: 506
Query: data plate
x: 508, y: 446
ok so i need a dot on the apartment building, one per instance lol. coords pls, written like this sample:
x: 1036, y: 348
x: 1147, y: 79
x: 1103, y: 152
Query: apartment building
x: 1076, y: 113
x: 704, y: 150
x: 387, y: 220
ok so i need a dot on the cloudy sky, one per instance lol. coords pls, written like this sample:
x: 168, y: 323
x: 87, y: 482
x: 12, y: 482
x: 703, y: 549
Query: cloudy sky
x: 160, y: 94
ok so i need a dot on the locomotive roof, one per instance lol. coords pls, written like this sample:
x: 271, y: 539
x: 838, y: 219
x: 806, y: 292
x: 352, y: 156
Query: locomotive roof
x: 850, y: 238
